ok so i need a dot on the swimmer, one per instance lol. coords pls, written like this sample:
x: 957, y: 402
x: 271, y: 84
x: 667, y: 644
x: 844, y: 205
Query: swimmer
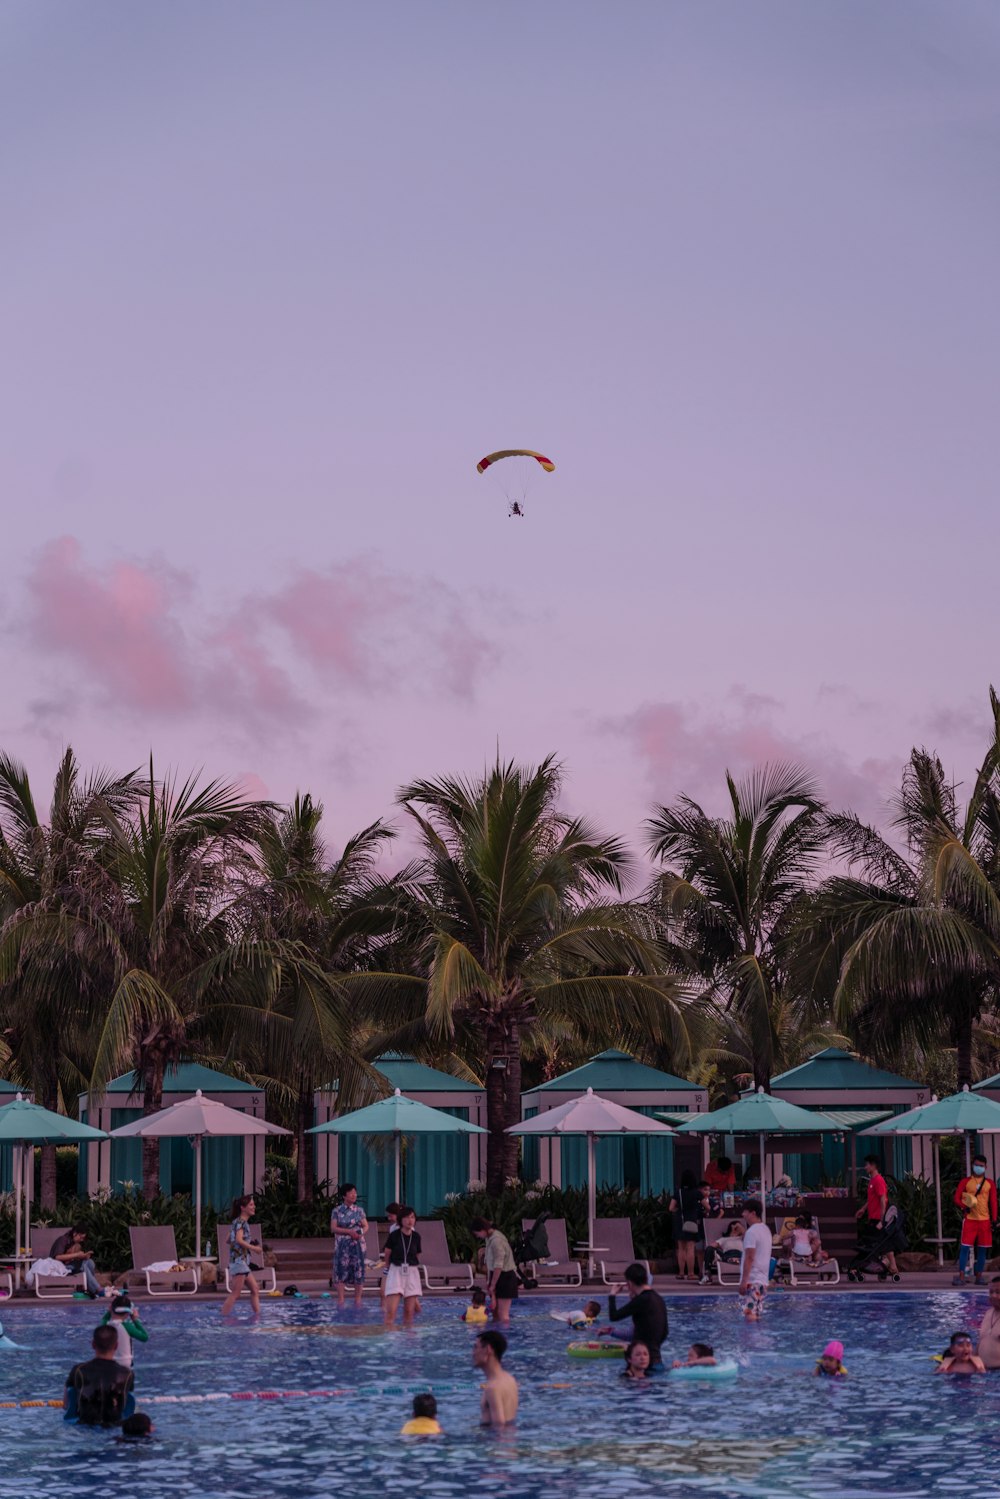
x: 127, y: 1324
x: 702, y: 1354
x: 136, y: 1426
x: 637, y: 1361
x: 958, y: 1357
x: 424, y: 1421
x: 498, y: 1403
x: 477, y: 1309
x: 830, y: 1365
x: 581, y: 1317
x: 5, y: 1342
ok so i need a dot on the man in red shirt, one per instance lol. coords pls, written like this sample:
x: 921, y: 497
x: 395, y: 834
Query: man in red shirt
x: 976, y: 1198
x: 877, y: 1202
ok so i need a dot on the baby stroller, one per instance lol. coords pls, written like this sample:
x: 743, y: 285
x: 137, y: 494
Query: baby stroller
x: 889, y: 1239
x: 529, y: 1247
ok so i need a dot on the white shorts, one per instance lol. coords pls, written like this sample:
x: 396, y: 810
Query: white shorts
x: 402, y: 1280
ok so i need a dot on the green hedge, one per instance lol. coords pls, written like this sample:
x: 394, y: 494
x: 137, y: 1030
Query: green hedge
x: 652, y: 1236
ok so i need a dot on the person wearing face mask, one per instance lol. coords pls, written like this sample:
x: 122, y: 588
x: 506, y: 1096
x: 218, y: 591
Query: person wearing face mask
x: 976, y: 1200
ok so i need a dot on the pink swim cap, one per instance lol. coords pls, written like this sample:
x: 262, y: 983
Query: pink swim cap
x: 834, y: 1350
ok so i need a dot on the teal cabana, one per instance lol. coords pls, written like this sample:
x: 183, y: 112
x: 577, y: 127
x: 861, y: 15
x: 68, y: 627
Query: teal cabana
x: 8, y: 1092
x: 855, y: 1095
x: 230, y: 1165
x: 647, y: 1163
x: 433, y: 1166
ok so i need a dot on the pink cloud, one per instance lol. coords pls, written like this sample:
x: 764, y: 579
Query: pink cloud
x: 687, y: 749
x: 118, y: 625
x: 139, y: 637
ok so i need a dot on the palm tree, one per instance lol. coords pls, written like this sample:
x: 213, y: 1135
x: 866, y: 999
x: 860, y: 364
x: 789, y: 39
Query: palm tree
x: 515, y: 917
x: 155, y: 919
x: 306, y: 921
x: 730, y: 893
x: 908, y: 945
x: 43, y: 985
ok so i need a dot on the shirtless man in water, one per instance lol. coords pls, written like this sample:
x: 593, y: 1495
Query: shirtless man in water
x: 498, y: 1405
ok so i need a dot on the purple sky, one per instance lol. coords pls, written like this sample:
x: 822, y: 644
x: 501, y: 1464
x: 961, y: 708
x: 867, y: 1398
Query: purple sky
x: 275, y: 276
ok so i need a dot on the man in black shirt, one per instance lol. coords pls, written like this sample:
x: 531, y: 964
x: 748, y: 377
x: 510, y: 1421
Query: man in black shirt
x: 647, y: 1309
x: 96, y: 1392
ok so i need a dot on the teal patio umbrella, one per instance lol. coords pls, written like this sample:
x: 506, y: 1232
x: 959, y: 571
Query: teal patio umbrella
x: 397, y: 1116
x: 25, y: 1125
x: 965, y: 1113
x: 761, y: 1115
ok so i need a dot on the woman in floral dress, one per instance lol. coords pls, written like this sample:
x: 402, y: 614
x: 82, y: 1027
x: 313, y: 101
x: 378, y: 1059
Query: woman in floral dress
x: 348, y: 1225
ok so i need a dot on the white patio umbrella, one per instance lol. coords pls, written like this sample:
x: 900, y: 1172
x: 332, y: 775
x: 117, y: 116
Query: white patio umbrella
x: 397, y: 1116
x: 197, y: 1117
x: 592, y: 1116
x: 965, y: 1113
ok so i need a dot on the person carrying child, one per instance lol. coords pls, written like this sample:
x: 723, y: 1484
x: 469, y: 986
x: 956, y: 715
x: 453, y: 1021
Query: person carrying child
x: 801, y: 1239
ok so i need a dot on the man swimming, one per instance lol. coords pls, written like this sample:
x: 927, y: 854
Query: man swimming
x: 498, y: 1404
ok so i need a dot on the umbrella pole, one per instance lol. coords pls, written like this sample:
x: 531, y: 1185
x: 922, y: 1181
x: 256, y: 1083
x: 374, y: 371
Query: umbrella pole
x: 197, y: 1197
x: 591, y: 1204
x: 17, y: 1214
x: 763, y: 1179
x: 937, y: 1197
x: 968, y: 1154
x: 399, y: 1148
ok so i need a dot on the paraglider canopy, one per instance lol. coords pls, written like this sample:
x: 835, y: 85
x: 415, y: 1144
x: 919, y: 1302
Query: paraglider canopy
x: 517, y: 468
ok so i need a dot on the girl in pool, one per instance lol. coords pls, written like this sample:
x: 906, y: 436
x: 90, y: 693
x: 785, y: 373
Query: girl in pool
x: 830, y: 1365
x: 348, y: 1225
x: 240, y: 1250
x: 958, y: 1357
x: 637, y: 1361
x: 402, y: 1257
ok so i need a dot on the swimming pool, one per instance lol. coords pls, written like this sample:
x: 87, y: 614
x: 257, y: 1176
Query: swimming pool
x: 892, y: 1428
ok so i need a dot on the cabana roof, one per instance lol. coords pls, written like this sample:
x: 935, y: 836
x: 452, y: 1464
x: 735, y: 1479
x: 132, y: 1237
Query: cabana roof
x: 615, y: 1072
x: 837, y: 1071
x: 410, y: 1076
x: 186, y: 1077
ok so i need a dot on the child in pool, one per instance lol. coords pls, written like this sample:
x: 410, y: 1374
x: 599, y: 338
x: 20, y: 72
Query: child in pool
x: 477, y: 1310
x: 698, y: 1353
x: 829, y: 1365
x: 580, y: 1317
x: 958, y: 1357
x: 637, y: 1361
x: 423, y: 1422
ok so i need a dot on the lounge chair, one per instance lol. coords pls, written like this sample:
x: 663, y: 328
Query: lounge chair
x: 373, y: 1259
x: 440, y: 1272
x: 157, y: 1246
x: 714, y: 1229
x: 614, y: 1235
x: 53, y: 1287
x: 265, y: 1277
x: 800, y: 1271
x: 566, y: 1271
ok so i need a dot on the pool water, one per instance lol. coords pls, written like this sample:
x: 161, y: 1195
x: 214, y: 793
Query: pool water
x: 894, y: 1428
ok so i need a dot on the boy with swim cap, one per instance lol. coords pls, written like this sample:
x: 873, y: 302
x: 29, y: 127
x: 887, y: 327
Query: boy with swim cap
x: 958, y: 1357
x: 127, y: 1324
x: 830, y: 1365
x: 423, y: 1422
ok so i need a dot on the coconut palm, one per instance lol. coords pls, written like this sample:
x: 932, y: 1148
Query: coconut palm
x: 44, y: 986
x: 306, y: 921
x: 730, y: 892
x: 155, y: 920
x: 515, y: 915
x: 908, y: 943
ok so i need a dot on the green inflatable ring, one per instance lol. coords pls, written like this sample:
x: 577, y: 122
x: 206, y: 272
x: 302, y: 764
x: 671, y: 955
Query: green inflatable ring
x: 593, y: 1349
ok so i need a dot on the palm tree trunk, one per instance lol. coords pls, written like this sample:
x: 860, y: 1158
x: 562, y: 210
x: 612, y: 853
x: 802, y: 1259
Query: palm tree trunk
x: 964, y: 1026
x: 512, y: 1100
x: 49, y: 1099
x: 496, y: 1109
x: 304, y: 1154
x: 152, y: 1102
